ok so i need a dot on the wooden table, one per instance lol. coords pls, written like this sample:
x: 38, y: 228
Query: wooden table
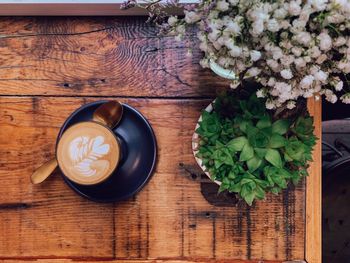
x: 51, y: 66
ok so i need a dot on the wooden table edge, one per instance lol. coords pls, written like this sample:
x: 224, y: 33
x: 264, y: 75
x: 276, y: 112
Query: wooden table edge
x: 313, y: 206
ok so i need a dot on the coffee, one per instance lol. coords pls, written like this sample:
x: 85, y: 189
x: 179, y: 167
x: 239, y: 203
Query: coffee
x: 88, y: 152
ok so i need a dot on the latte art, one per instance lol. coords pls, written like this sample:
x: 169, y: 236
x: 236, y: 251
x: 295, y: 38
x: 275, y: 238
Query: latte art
x: 88, y: 153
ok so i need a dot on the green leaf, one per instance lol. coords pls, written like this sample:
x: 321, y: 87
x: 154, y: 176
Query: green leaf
x: 254, y: 163
x: 247, y: 153
x: 260, y: 152
x: 259, y: 139
x: 274, y: 157
x: 223, y: 187
x: 264, y: 122
x: 244, y: 191
x: 237, y: 144
x: 235, y: 188
x: 280, y: 126
x: 231, y: 175
x: 259, y: 192
x: 275, y: 190
x: 295, y: 149
x: 277, y: 141
x: 222, y: 156
x: 249, y: 198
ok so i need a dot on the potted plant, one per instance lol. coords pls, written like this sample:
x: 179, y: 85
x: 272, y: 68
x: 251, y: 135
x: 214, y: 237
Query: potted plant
x: 249, y: 150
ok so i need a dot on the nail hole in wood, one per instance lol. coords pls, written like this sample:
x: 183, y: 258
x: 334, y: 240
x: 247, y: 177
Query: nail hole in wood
x: 66, y: 85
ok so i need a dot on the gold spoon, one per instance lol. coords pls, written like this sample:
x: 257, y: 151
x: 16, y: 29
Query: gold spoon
x: 109, y: 114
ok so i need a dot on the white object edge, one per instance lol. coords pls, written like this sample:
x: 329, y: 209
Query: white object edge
x: 195, y: 139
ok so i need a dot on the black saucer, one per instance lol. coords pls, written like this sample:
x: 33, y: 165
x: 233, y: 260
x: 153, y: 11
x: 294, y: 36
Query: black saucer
x: 139, y: 151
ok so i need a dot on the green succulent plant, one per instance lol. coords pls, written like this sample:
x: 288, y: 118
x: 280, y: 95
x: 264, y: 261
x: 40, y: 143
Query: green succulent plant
x: 251, y: 153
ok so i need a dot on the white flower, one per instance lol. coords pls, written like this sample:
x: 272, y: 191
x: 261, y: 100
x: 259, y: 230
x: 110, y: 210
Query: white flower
x: 269, y: 104
x: 204, y: 63
x: 325, y: 41
x: 318, y: 5
x: 233, y: 2
x: 340, y: 41
x: 321, y: 59
x: 255, y: 55
x: 294, y: 8
x: 297, y: 51
x: 271, y: 82
x: 273, y: 25
x: 307, y: 81
x: 213, y: 14
x: 330, y: 96
x: 287, y: 74
x: 273, y: 64
x: 335, y: 18
x: 280, y: 13
x: 339, y: 86
x: 191, y: 17
x: 233, y: 27
x: 235, y: 51
x: 314, y: 52
x: 291, y: 104
x: 222, y: 5
x: 172, y: 20
x: 234, y: 85
x: 258, y: 28
x: 304, y: 38
x: 260, y: 93
x: 180, y: 29
x: 287, y: 60
x: 345, y: 98
x: 300, y: 62
x: 252, y: 72
x: 342, y: 3
x: 203, y: 46
x: 298, y: 26
x: 213, y: 35
x: 344, y: 66
x: 276, y: 53
x: 321, y: 76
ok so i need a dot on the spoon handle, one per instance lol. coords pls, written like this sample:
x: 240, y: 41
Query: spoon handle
x: 43, y: 171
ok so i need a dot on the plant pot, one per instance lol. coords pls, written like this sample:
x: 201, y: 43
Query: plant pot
x: 195, y: 140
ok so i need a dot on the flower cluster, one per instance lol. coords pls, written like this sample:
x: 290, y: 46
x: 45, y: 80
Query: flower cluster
x: 293, y: 48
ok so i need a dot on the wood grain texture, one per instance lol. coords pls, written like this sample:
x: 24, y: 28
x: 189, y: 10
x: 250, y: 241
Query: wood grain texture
x: 98, y: 57
x: 137, y: 261
x: 313, y: 237
x: 50, y: 66
x: 169, y: 219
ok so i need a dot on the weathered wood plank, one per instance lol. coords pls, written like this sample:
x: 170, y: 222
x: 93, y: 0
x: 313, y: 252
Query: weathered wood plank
x: 169, y: 219
x: 98, y: 57
x: 313, y: 237
x: 134, y: 261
